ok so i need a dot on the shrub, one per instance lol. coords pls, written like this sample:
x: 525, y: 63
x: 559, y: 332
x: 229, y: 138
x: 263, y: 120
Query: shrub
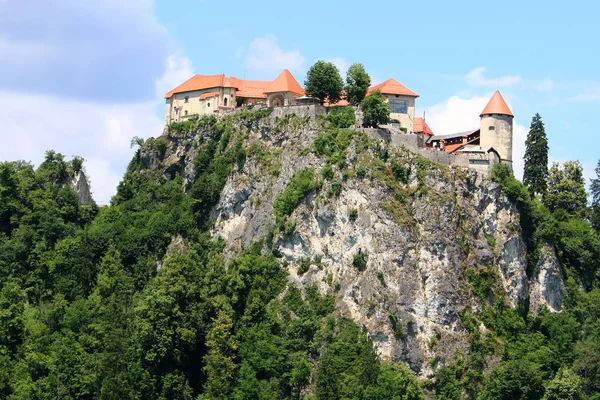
x: 341, y: 116
x: 400, y: 173
x: 297, y: 188
x: 336, y: 188
x: 381, y: 278
x: 360, y: 260
x: 304, y: 266
x: 353, y: 214
x: 327, y: 172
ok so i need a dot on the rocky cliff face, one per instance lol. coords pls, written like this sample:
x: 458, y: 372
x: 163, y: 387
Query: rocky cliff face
x: 437, y: 242
x: 80, y: 184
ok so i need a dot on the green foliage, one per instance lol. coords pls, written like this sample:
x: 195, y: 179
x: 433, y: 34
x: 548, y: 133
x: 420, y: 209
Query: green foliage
x: 482, y: 282
x: 304, y: 266
x: 376, y: 110
x: 336, y: 188
x: 566, y: 385
x: 514, y: 380
x: 595, y: 192
x: 341, y: 116
x: 327, y: 171
x: 359, y: 261
x: 353, y: 214
x: 357, y: 83
x: 566, y: 189
x: 324, y: 82
x: 334, y: 144
x: 535, y: 174
x: 297, y: 188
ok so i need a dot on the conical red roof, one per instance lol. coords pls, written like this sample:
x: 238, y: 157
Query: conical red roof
x: 497, y: 105
x: 285, y: 82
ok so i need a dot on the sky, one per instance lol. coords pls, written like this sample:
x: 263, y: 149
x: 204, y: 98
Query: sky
x: 83, y: 77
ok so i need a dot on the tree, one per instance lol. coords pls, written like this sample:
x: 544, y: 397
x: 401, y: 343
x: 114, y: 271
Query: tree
x: 219, y: 361
x: 535, y: 174
x: 376, y: 110
x: 515, y: 379
x: 595, y: 189
x: 357, y: 83
x: 566, y: 385
x: 341, y: 116
x: 566, y: 189
x: 324, y: 82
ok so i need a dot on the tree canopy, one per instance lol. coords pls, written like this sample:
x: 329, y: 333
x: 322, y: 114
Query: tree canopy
x: 566, y: 188
x: 357, y: 83
x: 324, y: 82
x: 376, y: 110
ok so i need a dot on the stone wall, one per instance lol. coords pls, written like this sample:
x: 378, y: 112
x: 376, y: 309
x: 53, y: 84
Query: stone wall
x: 311, y: 110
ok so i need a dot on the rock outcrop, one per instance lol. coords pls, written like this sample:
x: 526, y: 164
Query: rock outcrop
x: 80, y: 184
x: 442, y: 244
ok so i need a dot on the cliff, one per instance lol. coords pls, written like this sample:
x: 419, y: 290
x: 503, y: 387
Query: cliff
x: 407, y: 246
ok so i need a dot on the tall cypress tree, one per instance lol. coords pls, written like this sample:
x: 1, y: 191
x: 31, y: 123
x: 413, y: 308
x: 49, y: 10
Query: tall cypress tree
x: 535, y: 175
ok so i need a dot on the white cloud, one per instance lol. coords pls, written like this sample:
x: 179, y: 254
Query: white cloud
x: 459, y: 114
x: 586, y: 97
x: 110, y: 50
x: 82, y: 78
x: 178, y: 69
x: 341, y: 64
x: 546, y: 85
x: 265, y: 55
x: 32, y: 124
x: 476, y: 78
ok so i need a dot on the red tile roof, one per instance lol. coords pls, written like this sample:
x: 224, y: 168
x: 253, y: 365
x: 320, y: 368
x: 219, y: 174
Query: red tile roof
x: 341, y: 102
x: 198, y: 82
x: 392, y: 86
x: 497, y: 105
x: 451, y: 148
x: 420, y: 125
x: 207, y: 95
x: 285, y: 82
x: 250, y: 89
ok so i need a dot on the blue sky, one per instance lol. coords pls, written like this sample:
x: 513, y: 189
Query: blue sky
x: 83, y: 77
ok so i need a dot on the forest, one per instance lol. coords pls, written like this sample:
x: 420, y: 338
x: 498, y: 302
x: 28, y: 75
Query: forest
x: 103, y: 303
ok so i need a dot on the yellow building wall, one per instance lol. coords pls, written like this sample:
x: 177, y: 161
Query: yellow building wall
x: 406, y: 120
x: 177, y: 108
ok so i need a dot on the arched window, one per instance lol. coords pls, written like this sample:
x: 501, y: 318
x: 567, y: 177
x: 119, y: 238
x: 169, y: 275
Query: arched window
x: 225, y: 101
x: 208, y: 105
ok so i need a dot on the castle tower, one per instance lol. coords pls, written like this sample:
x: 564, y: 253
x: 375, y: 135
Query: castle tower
x: 496, y: 129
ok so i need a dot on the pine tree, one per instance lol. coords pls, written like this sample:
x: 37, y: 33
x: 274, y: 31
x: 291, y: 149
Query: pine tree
x: 535, y: 175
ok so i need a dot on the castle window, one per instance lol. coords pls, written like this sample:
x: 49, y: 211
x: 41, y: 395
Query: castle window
x: 187, y: 98
x: 225, y: 101
x: 399, y: 106
x: 207, y: 104
x: 492, y: 128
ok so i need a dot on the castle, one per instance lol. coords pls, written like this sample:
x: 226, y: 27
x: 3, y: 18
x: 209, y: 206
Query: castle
x: 479, y: 149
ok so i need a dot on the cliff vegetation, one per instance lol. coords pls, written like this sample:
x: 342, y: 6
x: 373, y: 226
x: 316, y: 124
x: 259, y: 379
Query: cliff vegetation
x: 264, y: 257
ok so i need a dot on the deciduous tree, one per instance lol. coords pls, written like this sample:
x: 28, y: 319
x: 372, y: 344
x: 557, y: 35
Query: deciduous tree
x: 324, y: 82
x: 357, y: 83
x: 376, y: 111
x: 566, y: 189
